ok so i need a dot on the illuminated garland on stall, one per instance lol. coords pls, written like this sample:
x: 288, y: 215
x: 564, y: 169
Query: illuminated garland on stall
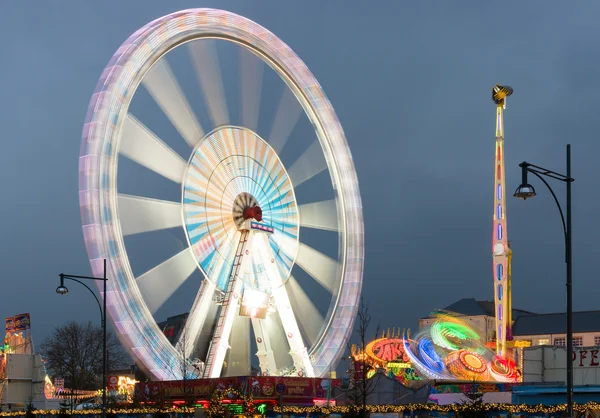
x: 132, y: 411
x: 248, y: 403
x: 217, y: 408
x: 486, y: 407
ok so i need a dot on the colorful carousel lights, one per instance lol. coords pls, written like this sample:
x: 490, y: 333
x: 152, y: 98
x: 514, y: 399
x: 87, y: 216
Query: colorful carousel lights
x: 422, y: 368
x: 467, y: 365
x: 504, y: 369
x: 429, y: 356
x: 451, y: 350
x: 449, y: 333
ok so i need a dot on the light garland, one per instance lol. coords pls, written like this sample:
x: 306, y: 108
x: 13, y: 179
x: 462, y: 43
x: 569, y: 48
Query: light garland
x: 546, y: 409
x: 486, y: 407
x: 147, y: 410
x: 217, y: 408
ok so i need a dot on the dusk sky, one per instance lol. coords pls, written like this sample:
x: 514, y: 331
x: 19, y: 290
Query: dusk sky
x: 411, y: 84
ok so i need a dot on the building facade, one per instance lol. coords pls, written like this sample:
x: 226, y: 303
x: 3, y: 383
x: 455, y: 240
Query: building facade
x: 551, y: 329
x: 545, y: 375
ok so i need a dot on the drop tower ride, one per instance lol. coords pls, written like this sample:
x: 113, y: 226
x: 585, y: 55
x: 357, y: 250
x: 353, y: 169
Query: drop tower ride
x: 500, y: 247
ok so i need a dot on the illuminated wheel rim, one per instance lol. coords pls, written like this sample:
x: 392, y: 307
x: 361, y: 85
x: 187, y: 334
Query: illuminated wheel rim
x: 99, y: 201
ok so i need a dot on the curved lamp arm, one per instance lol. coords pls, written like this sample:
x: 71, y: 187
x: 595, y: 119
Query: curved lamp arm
x: 562, y: 217
x: 91, y: 291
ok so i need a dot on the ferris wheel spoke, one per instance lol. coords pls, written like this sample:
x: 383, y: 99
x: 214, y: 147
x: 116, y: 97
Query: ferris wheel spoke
x: 142, y: 214
x: 206, y: 63
x: 286, y: 118
x: 251, y: 72
x: 139, y: 144
x: 308, y: 165
x: 164, y: 88
x: 285, y: 243
x: 319, y: 266
x: 158, y: 284
x: 311, y: 320
x: 319, y: 215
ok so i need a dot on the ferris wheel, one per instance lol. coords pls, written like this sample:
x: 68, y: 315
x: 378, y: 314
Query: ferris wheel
x: 243, y: 204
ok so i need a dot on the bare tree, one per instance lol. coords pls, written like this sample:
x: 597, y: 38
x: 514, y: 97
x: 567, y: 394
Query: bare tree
x: 361, y: 387
x: 187, y: 368
x: 74, y: 352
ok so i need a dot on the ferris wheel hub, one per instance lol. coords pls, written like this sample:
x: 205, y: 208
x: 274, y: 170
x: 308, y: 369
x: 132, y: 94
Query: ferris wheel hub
x: 241, y: 204
x: 253, y: 212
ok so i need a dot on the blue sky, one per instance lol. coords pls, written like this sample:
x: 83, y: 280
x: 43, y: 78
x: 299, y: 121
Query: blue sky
x: 410, y: 82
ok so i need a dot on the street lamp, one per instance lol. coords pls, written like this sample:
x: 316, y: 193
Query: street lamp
x: 525, y: 191
x: 63, y: 290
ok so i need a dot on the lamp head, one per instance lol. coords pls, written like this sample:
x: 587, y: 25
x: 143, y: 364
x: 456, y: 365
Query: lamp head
x: 500, y: 93
x: 62, y: 290
x: 524, y: 191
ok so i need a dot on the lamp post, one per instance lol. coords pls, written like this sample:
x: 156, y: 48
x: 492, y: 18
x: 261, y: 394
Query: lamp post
x: 62, y: 290
x: 525, y: 191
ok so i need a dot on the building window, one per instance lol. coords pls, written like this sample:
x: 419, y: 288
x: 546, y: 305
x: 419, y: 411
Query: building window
x: 544, y: 341
x: 597, y: 340
x: 560, y: 341
x: 578, y: 341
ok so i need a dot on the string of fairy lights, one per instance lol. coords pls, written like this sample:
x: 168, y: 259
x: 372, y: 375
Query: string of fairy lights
x: 485, y: 407
x: 97, y: 412
x: 215, y: 408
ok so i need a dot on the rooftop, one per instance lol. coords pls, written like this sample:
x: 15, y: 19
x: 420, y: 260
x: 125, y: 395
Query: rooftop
x: 472, y: 307
x: 556, y: 323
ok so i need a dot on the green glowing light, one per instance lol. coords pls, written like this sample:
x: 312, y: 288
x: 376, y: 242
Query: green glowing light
x: 443, y: 332
x: 236, y: 409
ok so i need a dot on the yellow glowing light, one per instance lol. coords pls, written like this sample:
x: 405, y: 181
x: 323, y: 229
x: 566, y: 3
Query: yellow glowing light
x: 398, y: 365
x: 343, y: 409
x: 126, y: 383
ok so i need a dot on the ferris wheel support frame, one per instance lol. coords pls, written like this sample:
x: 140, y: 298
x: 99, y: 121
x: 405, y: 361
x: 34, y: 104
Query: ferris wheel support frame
x: 298, y: 349
x: 264, y: 352
x: 254, y: 238
x: 220, y: 343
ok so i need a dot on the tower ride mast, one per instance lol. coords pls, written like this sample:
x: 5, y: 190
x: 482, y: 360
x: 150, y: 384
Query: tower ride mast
x: 502, y: 254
